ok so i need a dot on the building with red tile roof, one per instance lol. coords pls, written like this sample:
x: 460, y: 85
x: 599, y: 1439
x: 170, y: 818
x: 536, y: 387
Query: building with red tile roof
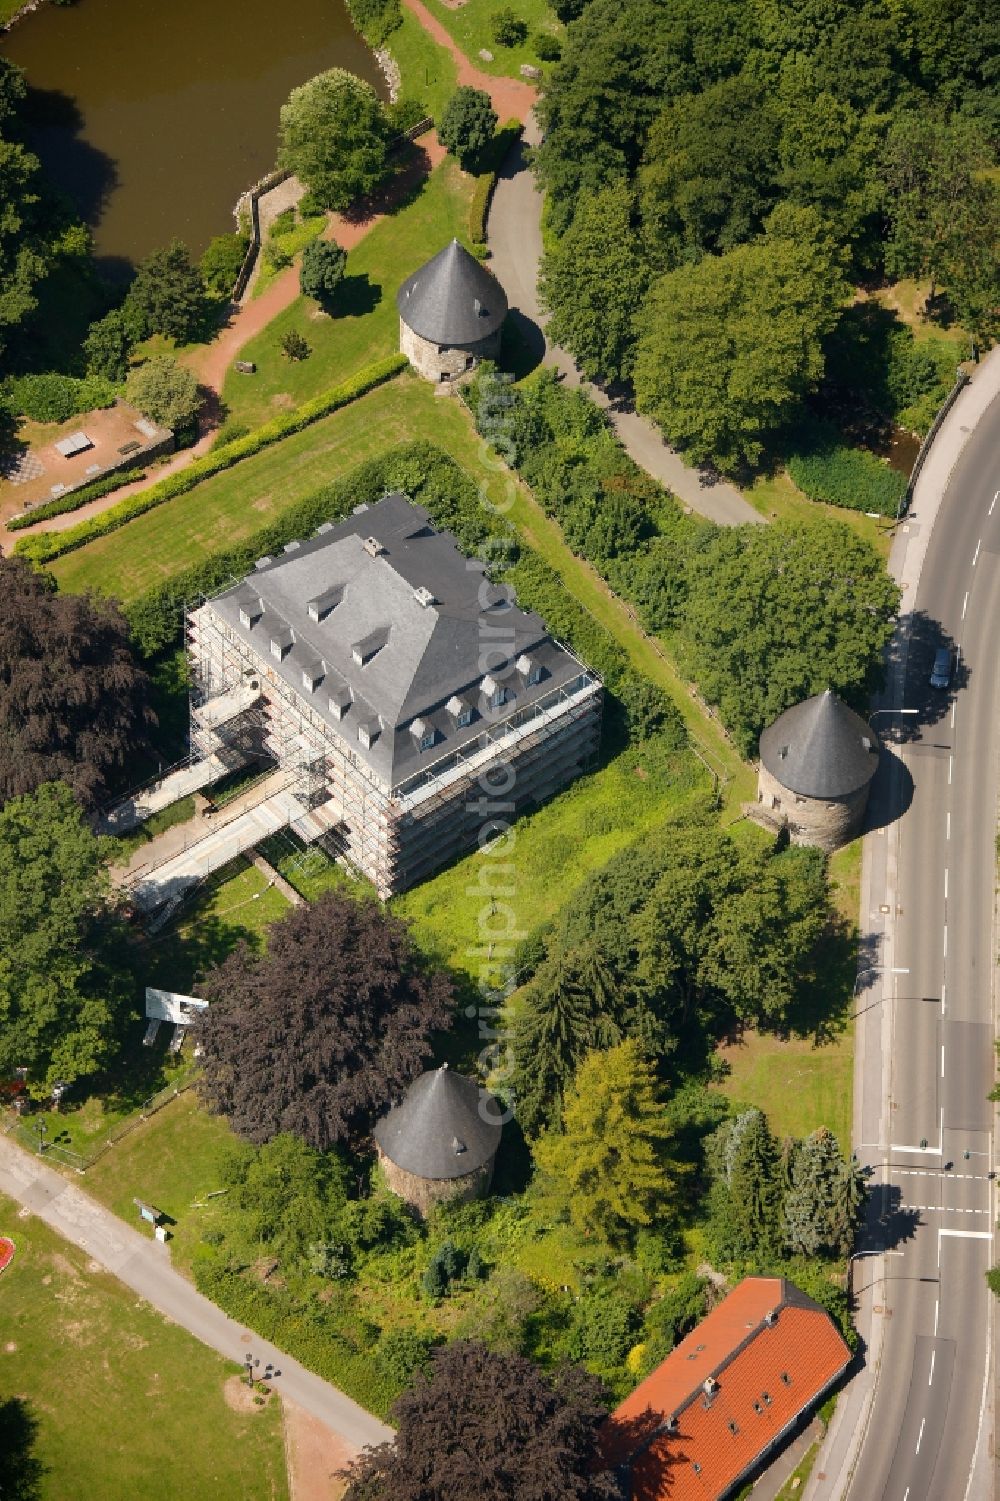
x: 727, y: 1395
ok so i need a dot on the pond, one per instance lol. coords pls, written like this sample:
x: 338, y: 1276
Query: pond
x: 154, y: 115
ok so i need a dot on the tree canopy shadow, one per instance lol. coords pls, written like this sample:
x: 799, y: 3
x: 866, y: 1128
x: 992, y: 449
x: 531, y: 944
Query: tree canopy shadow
x: 403, y: 184
x: 919, y: 636
x: 355, y: 297
x: 21, y: 1471
x: 80, y: 170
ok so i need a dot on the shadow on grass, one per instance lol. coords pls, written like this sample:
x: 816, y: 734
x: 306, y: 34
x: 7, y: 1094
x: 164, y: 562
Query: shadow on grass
x: 409, y: 171
x: 21, y: 1471
x: 356, y: 297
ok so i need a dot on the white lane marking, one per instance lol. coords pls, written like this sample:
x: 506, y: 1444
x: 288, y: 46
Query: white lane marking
x: 942, y: 1060
x: 946, y: 885
x: 944, y: 1209
x: 906, y: 1494
x: 898, y: 970
x: 965, y: 603
x: 931, y: 1376
x: 937, y: 1304
x: 966, y: 1234
x: 947, y: 825
x: 954, y: 706
x: 951, y: 763
x: 976, y: 558
x: 946, y: 940
x: 993, y: 503
x: 933, y: 1172
x: 944, y: 1004
x: 920, y: 1435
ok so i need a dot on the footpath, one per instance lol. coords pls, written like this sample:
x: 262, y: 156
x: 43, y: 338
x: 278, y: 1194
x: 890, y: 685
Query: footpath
x: 837, y: 1461
x: 144, y: 1266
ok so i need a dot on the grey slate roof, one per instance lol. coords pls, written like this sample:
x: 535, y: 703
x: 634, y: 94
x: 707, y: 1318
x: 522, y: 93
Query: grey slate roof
x: 452, y: 299
x: 820, y: 748
x: 445, y: 1127
x: 389, y: 658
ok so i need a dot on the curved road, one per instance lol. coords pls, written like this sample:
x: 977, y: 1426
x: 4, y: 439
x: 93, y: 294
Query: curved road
x: 926, y: 1011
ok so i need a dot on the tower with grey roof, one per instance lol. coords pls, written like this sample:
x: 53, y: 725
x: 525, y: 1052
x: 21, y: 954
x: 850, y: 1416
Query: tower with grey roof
x: 451, y: 312
x: 414, y: 708
x: 440, y: 1141
x: 817, y: 761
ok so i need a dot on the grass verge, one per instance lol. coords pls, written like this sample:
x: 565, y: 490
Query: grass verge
x: 120, y: 1394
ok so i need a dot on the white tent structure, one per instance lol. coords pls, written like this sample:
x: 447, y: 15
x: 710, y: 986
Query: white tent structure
x: 169, y: 1006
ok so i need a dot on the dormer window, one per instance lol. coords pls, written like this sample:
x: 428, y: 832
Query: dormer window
x: 529, y: 668
x: 313, y: 673
x: 368, y: 732
x: 460, y: 711
x: 495, y: 693
x: 362, y: 651
x: 320, y: 607
x: 250, y: 613
x: 281, y: 643
x: 340, y: 701
x: 423, y: 733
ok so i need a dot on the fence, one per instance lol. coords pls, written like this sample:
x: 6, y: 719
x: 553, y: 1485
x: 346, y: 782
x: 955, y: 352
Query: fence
x: 961, y: 381
x: 26, y: 1134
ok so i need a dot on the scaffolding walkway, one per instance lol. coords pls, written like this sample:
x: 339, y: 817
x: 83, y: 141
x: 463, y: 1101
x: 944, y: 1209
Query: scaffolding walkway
x: 188, y: 778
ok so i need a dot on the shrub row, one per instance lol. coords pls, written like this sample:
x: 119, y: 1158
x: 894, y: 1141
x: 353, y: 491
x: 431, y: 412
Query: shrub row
x: 45, y: 546
x: 76, y: 498
x: 482, y: 194
x: 848, y: 477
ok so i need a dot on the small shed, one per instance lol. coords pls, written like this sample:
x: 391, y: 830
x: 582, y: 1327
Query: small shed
x: 817, y: 761
x: 440, y: 1142
x: 451, y: 312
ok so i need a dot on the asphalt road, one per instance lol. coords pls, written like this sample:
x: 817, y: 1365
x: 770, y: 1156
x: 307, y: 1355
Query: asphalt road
x: 927, y: 1005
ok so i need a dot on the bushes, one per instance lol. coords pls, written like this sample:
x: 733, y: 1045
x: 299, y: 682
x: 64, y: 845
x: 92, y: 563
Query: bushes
x: 376, y: 19
x: 76, y: 498
x: 221, y: 262
x: 848, y: 477
x: 47, y: 545
x: 482, y: 193
x: 56, y: 398
x: 507, y: 29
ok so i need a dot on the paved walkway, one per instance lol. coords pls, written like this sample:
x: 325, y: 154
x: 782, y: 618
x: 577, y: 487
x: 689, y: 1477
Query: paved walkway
x: 144, y: 1266
x: 515, y: 235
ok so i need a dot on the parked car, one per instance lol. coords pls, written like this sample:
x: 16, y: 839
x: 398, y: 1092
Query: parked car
x: 944, y: 661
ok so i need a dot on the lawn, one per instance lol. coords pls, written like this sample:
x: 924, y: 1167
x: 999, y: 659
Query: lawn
x: 471, y: 27
x: 428, y: 72
x: 364, y: 325
x: 288, y: 237
x: 807, y: 1080
x: 778, y: 498
x: 122, y: 1398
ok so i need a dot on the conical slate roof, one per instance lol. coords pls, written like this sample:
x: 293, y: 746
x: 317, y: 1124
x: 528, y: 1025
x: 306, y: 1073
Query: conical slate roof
x: 820, y: 748
x: 452, y: 299
x: 445, y: 1127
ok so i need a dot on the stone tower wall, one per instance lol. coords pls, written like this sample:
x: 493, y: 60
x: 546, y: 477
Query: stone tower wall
x: 826, y: 822
x: 423, y: 1193
x: 436, y: 362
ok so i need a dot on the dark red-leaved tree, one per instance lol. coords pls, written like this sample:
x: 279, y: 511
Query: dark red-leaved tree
x: 74, y: 704
x: 480, y: 1425
x: 321, y: 1033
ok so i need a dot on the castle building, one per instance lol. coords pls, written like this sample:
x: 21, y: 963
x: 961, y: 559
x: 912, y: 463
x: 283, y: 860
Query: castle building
x: 817, y: 761
x: 440, y: 1141
x: 412, y: 706
x: 450, y: 315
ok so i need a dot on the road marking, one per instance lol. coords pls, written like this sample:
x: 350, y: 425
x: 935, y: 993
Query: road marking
x: 947, y: 825
x: 937, y: 1303
x: 975, y: 560
x: 920, y: 1435
x: 944, y: 1209
x: 944, y: 1006
x: 942, y: 1060
x: 965, y: 1234
x: 933, y: 1172
x: 946, y: 884
x: 954, y: 706
x: 992, y: 504
x: 898, y: 970
x: 931, y: 1376
x: 946, y: 940
x: 965, y: 603
x: 951, y: 761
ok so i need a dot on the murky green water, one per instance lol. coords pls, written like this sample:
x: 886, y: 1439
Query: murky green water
x: 154, y: 115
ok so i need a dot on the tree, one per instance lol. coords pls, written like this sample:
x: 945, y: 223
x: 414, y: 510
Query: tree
x: 294, y: 346
x: 108, y: 345
x: 507, y: 28
x: 478, y: 1426
x: 334, y: 136
x: 591, y: 280
x: 823, y: 1203
x: 606, y: 1168
x: 23, y: 261
x: 167, y: 296
x: 164, y: 390
x: 323, y: 264
x: 746, y: 1201
x: 467, y: 124
x: 60, y: 1003
x: 221, y: 262
x: 286, y: 1196
x: 932, y: 192
x: 729, y: 346
x: 319, y: 1035
x: 74, y: 706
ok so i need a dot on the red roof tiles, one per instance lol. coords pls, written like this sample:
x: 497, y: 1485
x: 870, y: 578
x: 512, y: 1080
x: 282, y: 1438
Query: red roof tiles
x: 732, y: 1387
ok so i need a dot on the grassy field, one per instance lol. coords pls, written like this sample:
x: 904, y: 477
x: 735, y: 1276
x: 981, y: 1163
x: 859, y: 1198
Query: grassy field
x: 364, y: 325
x: 124, y: 1401
x: 778, y: 497
x: 471, y: 27
x: 428, y: 72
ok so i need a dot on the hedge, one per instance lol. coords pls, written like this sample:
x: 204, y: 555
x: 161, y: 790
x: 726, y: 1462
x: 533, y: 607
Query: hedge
x: 76, y: 498
x: 45, y: 546
x: 482, y: 193
x: 848, y: 477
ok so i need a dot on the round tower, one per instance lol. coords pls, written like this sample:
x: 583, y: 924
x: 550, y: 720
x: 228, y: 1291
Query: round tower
x: 450, y: 315
x: 817, y: 761
x: 440, y: 1141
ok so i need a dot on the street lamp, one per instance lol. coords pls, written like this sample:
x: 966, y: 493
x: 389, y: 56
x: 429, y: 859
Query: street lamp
x: 41, y: 1128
